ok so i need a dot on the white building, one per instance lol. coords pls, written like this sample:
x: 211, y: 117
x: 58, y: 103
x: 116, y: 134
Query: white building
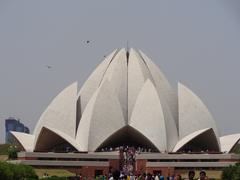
x: 126, y: 101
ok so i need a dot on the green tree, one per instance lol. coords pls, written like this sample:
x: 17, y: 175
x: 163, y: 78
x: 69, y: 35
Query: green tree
x: 12, y: 152
x: 231, y: 172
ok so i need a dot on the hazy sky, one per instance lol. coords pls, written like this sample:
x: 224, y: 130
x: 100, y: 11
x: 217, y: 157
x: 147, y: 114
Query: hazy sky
x: 194, y: 42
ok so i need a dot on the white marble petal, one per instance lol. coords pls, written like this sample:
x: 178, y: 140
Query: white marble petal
x: 61, y: 134
x: 82, y: 136
x: 228, y: 142
x: 94, y: 80
x: 103, y: 117
x: 61, y: 113
x: 138, y: 73
x: 26, y: 140
x: 193, y: 114
x: 164, y: 89
x: 116, y: 73
x: 188, y: 138
x: 147, y: 116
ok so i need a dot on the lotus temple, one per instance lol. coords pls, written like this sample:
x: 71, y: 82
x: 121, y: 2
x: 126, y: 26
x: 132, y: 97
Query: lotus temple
x: 126, y: 104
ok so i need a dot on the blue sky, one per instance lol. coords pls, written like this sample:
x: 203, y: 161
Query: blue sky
x: 194, y: 42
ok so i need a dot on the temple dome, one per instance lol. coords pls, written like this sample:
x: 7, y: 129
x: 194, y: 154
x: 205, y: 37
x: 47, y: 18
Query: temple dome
x: 125, y: 101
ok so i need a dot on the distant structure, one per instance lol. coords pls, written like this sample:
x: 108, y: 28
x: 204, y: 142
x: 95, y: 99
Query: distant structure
x: 13, y: 124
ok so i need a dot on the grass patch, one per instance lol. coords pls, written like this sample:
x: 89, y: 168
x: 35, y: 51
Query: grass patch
x: 4, y: 149
x: 3, y: 157
x: 53, y: 172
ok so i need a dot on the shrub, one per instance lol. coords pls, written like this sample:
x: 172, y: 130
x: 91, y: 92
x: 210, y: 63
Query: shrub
x: 5, y: 171
x: 16, y: 172
x: 231, y: 172
x: 12, y: 152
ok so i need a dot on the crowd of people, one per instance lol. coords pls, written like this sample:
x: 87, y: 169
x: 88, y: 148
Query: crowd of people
x: 138, y: 149
x: 117, y: 175
x: 127, y: 156
x: 127, y: 167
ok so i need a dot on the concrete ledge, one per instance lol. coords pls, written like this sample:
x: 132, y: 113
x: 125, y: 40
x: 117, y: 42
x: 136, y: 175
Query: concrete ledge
x: 188, y: 156
x: 189, y: 164
x: 64, y: 163
x: 100, y: 155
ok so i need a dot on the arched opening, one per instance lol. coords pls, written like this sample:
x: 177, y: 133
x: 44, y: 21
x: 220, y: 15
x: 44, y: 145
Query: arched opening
x: 236, y: 148
x: 49, y: 141
x: 128, y: 136
x: 16, y: 143
x: 205, y: 142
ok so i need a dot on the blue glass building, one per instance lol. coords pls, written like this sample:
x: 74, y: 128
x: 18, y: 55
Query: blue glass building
x: 13, y: 124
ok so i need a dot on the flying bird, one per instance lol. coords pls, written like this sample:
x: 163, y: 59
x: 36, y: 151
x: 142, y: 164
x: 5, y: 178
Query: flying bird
x: 49, y: 67
x: 87, y: 41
